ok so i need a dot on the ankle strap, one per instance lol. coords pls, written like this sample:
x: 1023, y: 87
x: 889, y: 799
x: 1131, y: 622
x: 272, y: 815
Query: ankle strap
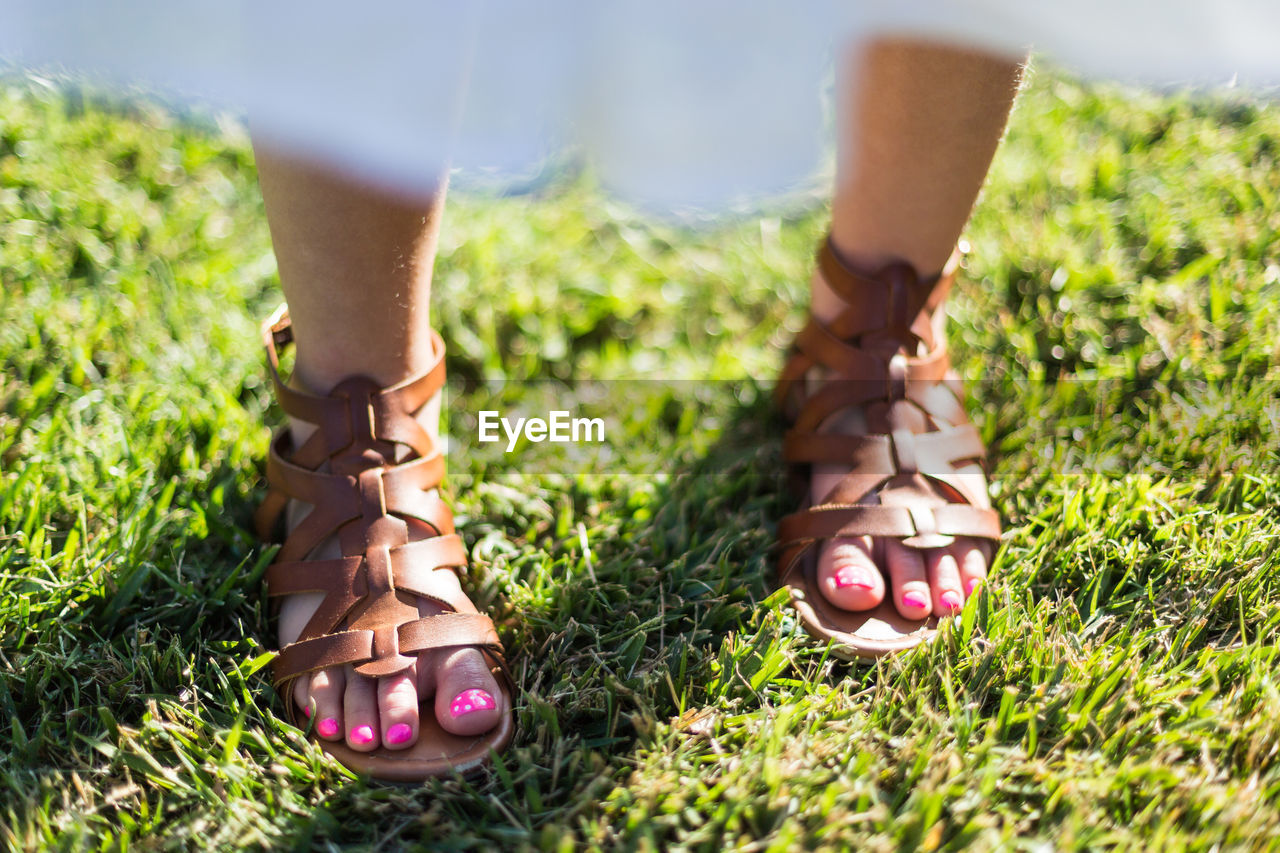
x: 408, y: 395
x: 888, y: 299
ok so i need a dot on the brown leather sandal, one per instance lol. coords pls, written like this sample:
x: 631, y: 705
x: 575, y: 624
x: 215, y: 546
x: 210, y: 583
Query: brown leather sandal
x: 367, y: 472
x: 916, y: 475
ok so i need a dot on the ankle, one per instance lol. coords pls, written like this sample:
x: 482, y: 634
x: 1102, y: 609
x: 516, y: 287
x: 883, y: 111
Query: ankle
x: 319, y: 376
x: 870, y: 250
x: 825, y: 304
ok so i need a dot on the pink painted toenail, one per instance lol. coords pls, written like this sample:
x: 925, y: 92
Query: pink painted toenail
x: 950, y: 600
x: 399, y: 733
x: 362, y: 734
x: 472, y: 700
x: 306, y: 712
x: 914, y: 599
x: 845, y: 577
x: 328, y: 727
x: 972, y: 586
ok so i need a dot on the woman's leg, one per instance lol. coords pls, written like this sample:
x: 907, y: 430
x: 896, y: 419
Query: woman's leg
x: 919, y: 125
x: 355, y: 264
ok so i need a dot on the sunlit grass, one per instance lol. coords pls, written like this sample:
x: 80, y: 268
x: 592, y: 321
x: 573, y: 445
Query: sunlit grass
x: 1115, y: 686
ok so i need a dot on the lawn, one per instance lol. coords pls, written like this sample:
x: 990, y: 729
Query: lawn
x: 1115, y: 686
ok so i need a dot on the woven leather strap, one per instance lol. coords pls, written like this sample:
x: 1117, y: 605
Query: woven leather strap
x: 916, y: 474
x: 368, y: 472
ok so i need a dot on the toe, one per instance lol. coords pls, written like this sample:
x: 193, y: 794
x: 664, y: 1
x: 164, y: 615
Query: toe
x: 398, y: 708
x: 848, y: 577
x: 360, y: 710
x: 468, y: 701
x: 944, y: 581
x: 908, y: 579
x: 302, y: 695
x: 973, y: 565
x: 327, y: 689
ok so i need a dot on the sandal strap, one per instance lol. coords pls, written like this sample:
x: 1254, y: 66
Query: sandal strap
x: 355, y: 648
x: 799, y: 538
x: 336, y: 649
x: 891, y: 299
x: 828, y: 521
x: 338, y: 498
x: 408, y: 395
x: 934, y: 453
x: 448, y: 630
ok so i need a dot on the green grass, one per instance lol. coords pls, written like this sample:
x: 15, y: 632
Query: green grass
x: 1115, y: 687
